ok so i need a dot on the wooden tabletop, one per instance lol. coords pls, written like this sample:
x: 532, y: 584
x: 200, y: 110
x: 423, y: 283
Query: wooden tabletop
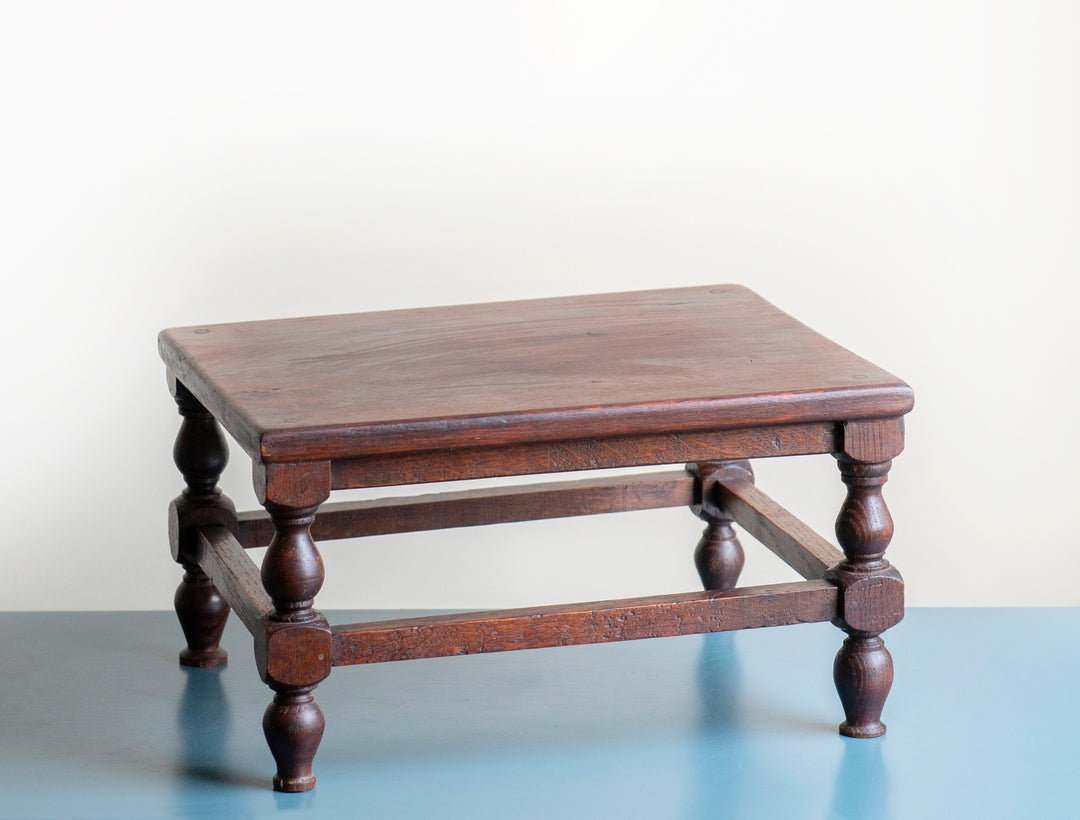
x: 661, y: 361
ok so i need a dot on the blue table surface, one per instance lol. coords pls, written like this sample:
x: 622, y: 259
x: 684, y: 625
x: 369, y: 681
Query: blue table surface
x: 98, y: 720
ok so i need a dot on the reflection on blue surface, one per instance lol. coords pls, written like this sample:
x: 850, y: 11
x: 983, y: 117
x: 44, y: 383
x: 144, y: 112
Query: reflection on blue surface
x: 861, y: 791
x: 97, y: 720
x: 203, y: 725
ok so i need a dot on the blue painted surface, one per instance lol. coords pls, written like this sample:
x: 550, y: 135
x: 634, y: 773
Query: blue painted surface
x: 98, y: 720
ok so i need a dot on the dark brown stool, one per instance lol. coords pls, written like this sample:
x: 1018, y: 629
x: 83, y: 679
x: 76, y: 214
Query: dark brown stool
x: 706, y: 376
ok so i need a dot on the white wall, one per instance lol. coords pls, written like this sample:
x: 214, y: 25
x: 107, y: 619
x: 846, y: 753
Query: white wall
x: 902, y: 176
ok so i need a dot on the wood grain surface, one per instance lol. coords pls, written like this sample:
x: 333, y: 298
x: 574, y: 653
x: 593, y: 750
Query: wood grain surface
x: 595, y: 622
x: 646, y: 362
x: 234, y: 573
x: 790, y: 539
x: 492, y: 505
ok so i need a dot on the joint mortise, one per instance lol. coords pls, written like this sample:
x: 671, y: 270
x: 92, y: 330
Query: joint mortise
x: 186, y: 515
x: 291, y: 654
x: 294, y: 484
x: 873, y: 440
x: 708, y: 474
x: 869, y: 603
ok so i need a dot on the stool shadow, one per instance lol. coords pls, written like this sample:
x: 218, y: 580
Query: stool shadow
x: 734, y: 766
x: 726, y: 708
x: 204, y: 725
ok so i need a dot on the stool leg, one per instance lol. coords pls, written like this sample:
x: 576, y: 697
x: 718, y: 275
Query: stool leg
x: 200, y: 453
x: 872, y: 598
x: 296, y: 656
x: 719, y: 556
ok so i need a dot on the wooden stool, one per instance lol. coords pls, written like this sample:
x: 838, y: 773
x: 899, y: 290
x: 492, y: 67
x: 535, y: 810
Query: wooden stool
x: 708, y: 376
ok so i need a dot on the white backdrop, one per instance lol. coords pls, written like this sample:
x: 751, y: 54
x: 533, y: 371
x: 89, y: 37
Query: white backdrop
x: 903, y: 177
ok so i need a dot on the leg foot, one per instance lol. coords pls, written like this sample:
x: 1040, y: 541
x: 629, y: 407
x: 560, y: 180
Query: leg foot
x: 202, y: 613
x: 293, y: 724
x: 863, y: 672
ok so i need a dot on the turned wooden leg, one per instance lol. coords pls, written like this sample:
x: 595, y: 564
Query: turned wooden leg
x: 871, y: 598
x: 203, y: 721
x: 296, y: 653
x: 200, y: 454
x: 718, y: 556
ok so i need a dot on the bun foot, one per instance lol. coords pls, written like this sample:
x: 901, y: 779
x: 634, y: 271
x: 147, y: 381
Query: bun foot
x: 875, y: 729
x: 204, y: 659
x: 294, y: 784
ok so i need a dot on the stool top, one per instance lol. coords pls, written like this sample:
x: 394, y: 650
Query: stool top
x: 660, y: 361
